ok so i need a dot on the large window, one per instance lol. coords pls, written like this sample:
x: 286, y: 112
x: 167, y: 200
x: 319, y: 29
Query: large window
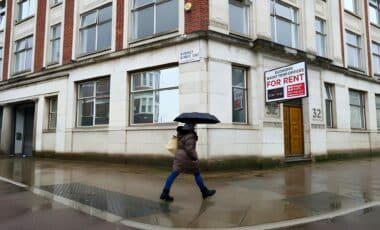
x: 376, y: 57
x: 26, y: 8
x: 23, y: 55
x: 151, y: 17
x: 239, y: 94
x: 284, y: 23
x: 351, y: 5
x: 330, y: 100
x: 239, y: 19
x: 353, y: 45
x: 374, y: 11
x: 52, y: 124
x: 93, y: 102
x: 1, y: 62
x: 378, y: 110
x: 2, y: 17
x: 357, y: 108
x: 55, y: 43
x: 96, y: 30
x: 320, y: 26
x: 154, y: 96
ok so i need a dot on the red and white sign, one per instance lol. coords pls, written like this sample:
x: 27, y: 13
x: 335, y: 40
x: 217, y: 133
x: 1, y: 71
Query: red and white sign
x: 286, y: 83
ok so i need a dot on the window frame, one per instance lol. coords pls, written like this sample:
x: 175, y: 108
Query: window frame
x: 97, y: 24
x: 376, y: 56
x: 246, y: 6
x: 293, y: 22
x: 17, y: 52
x: 362, y: 107
x: 52, y: 41
x: 94, y: 98
x: 377, y: 109
x: 323, y: 35
x: 355, y: 5
x: 331, y: 103
x: 3, y: 14
x: 153, y: 4
x: 52, y: 113
x: 132, y: 92
x: 31, y: 14
x: 376, y: 7
x: 245, y: 89
x: 358, y: 47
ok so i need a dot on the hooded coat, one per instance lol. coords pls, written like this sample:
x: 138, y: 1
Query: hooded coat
x: 186, y: 158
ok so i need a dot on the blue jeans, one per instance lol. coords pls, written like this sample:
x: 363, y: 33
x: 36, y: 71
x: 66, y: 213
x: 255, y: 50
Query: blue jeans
x: 173, y: 176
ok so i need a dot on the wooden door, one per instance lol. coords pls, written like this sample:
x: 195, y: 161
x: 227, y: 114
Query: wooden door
x: 293, y: 131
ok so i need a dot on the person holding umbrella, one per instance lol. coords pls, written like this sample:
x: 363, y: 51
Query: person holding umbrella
x: 186, y: 158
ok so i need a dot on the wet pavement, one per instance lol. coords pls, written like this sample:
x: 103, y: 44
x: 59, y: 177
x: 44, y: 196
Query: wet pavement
x: 129, y: 194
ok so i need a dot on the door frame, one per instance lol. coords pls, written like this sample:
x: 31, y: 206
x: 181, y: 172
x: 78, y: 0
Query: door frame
x: 297, y: 103
x: 22, y: 105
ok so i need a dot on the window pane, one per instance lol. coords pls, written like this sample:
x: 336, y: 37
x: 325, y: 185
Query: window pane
x: 56, y: 31
x: 55, y: 50
x: 89, y: 19
x: 350, y: 5
x: 167, y: 16
x: 140, y: 101
x: 352, y: 39
x: 86, y: 112
x: 239, y: 105
x: 373, y: 15
x: 238, y: 77
x: 86, y: 90
x: 102, y: 111
x: 2, y: 21
x: 356, y: 118
x: 353, y: 57
x: 166, y: 78
x: 378, y: 118
x: 355, y: 98
x: 320, y: 45
x: 376, y: 63
x: 104, y: 35
x: 143, y: 81
x: 329, y: 114
x: 52, y: 121
x: 143, y: 21
x: 166, y: 106
x: 28, y: 61
x: 138, y: 3
x: 377, y: 102
x: 238, y: 19
x: 284, y: 34
x: 105, y: 14
x: 53, y: 105
x: 319, y: 27
x: 88, y: 38
x: 103, y: 87
x: 285, y: 11
x: 328, y: 89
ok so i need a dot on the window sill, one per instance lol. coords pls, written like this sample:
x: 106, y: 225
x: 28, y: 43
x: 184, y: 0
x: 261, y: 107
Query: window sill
x: 19, y: 21
x: 21, y: 73
x: 376, y: 26
x: 355, y: 69
x: 96, y: 128
x: 245, y: 36
x: 93, y: 54
x: 56, y: 5
x: 49, y: 131
x: 138, y: 40
x: 359, y: 130
x: 51, y: 64
x: 353, y: 14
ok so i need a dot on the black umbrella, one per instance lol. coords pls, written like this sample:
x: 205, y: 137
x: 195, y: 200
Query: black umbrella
x: 200, y: 118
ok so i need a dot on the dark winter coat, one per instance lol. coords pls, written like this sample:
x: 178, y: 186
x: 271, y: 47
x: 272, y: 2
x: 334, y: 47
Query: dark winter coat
x: 186, y: 158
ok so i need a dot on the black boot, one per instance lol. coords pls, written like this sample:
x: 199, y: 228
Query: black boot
x: 206, y: 193
x: 165, y: 196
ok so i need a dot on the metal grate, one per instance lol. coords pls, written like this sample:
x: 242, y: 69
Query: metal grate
x: 116, y: 203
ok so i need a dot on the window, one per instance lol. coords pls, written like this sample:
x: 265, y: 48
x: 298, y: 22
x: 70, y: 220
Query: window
x: 376, y: 57
x: 23, y: 55
x: 330, y: 100
x: 284, y: 24
x: 2, y: 17
x: 96, y: 30
x: 377, y: 98
x: 26, y: 8
x: 1, y: 62
x: 374, y: 11
x: 357, y: 110
x: 154, y: 96
x: 55, y: 43
x: 351, y: 5
x: 239, y: 95
x: 93, y: 102
x: 320, y: 26
x: 151, y: 17
x: 52, y: 113
x: 239, y: 17
x: 353, y: 43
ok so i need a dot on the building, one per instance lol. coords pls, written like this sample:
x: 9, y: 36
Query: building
x: 109, y: 76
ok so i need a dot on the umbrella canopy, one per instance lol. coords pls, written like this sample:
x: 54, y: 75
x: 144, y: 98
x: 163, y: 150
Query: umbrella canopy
x: 199, y: 118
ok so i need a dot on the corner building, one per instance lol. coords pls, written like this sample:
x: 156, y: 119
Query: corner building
x: 109, y: 76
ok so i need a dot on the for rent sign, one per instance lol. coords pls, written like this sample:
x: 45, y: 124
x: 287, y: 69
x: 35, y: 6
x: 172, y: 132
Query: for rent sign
x: 286, y: 83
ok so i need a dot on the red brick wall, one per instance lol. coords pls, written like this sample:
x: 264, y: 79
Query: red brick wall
x: 198, y: 18
x: 40, y: 36
x: 7, y: 39
x: 119, y: 24
x: 68, y: 32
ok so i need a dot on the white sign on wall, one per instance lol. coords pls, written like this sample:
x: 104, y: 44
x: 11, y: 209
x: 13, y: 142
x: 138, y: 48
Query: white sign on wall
x: 286, y: 83
x: 189, y: 56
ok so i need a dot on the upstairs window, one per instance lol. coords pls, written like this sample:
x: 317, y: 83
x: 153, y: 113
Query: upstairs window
x: 351, y: 5
x: 320, y: 26
x: 26, y: 8
x: 377, y: 99
x: 96, y: 30
x: 353, y: 45
x: 23, y: 55
x: 55, y: 43
x: 1, y: 62
x: 284, y: 23
x: 374, y: 11
x: 2, y: 17
x: 152, y: 17
x: 376, y: 57
x: 239, y: 17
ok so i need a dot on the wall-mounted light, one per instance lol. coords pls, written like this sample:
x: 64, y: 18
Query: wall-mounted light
x: 188, y: 6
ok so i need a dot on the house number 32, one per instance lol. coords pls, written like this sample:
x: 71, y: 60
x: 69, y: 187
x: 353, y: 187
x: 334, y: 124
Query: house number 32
x: 317, y: 114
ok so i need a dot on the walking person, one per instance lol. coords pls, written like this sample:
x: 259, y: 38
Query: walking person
x: 186, y: 161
